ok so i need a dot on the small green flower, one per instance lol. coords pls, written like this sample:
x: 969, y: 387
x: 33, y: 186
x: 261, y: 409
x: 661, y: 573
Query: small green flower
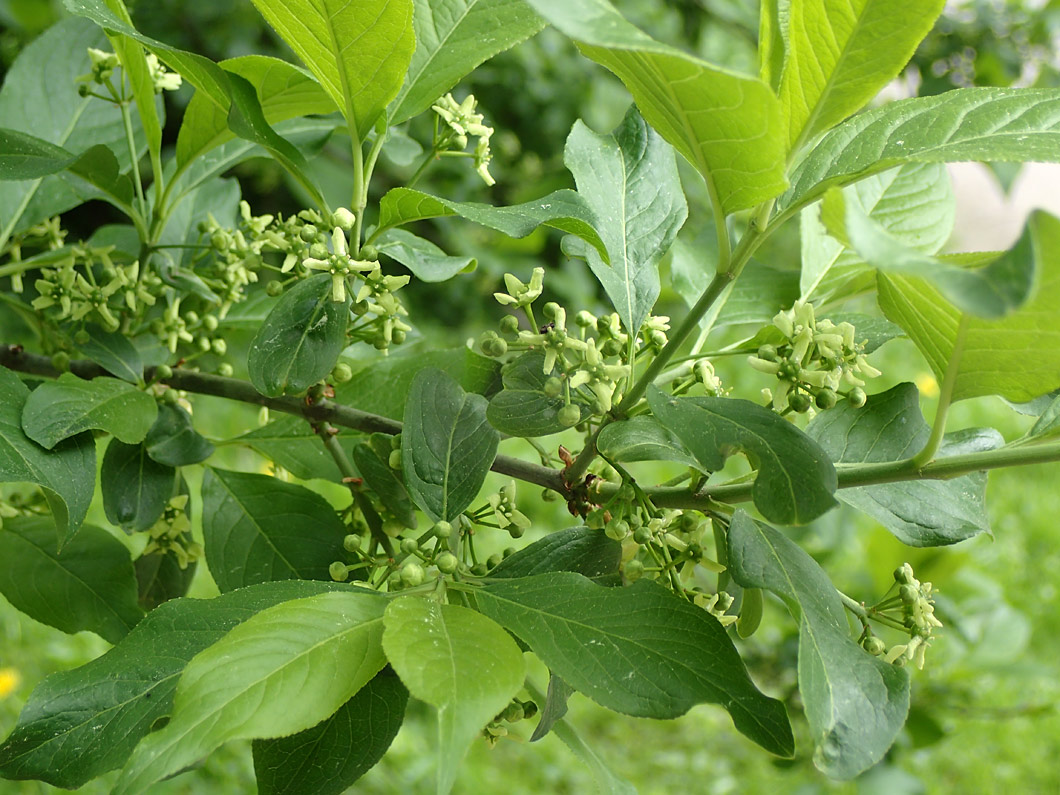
x: 163, y: 79
x: 520, y: 294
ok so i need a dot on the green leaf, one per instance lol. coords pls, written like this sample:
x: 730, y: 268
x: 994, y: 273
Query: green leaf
x: 173, y: 440
x: 288, y: 441
x: 300, y: 340
x: 285, y: 669
x: 629, y: 180
x: 643, y: 439
x: 427, y: 262
x: 57, y: 410
x: 457, y: 661
x: 1017, y: 356
x: 24, y: 156
x: 840, y: 55
x: 79, y: 724
x: 181, y: 237
x: 135, y: 487
x: 890, y: 427
x: 795, y: 479
x: 447, y: 447
x: 522, y: 408
x: 114, y: 353
x: 1048, y: 424
x: 639, y: 650
x: 327, y: 758
x: 554, y: 708
x: 990, y: 124
x: 257, y: 528
x: 562, y: 209
x: 855, y: 703
x: 160, y: 578
x: 67, y: 473
x: 578, y: 549
x: 381, y: 479
x: 452, y: 38
x: 89, y: 586
x: 723, y: 123
x: 359, y: 54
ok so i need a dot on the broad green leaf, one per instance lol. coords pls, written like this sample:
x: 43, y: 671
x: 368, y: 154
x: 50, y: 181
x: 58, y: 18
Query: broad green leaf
x: 358, y: 53
x: 181, y: 237
x: 90, y: 585
x: 289, y: 442
x: 759, y: 293
x: 447, y: 447
x: 160, y: 578
x: 989, y: 124
x: 855, y: 703
x: 24, y: 156
x: 554, y: 708
x: 135, y: 487
x: 427, y: 262
x: 300, y: 340
x: 283, y: 90
x: 452, y: 38
x: 57, y: 410
x: 643, y: 439
x: 578, y: 549
x: 640, y: 650
x: 1017, y: 356
x: 522, y: 408
x: 840, y: 55
x: 562, y: 209
x: 725, y: 124
x: 257, y: 528
x: 285, y: 669
x: 114, y: 353
x: 457, y: 661
x: 795, y: 480
x: 381, y: 479
x: 327, y: 758
x: 629, y: 180
x: 890, y: 427
x: 173, y: 440
x: 79, y: 724
x: 67, y: 473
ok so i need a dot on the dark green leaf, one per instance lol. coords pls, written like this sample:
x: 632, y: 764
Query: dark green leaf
x: 629, y: 180
x: 643, y: 439
x: 289, y: 442
x: 890, y: 427
x: 639, y: 650
x: 855, y: 703
x: 795, y: 479
x: 381, y: 479
x: 89, y: 586
x: 160, y: 578
x: 522, y: 408
x: 67, y: 473
x: 427, y: 262
x: 447, y: 447
x: 57, y: 410
x: 257, y: 528
x: 79, y: 724
x: 173, y: 439
x: 554, y: 708
x: 300, y: 340
x: 328, y: 758
x: 578, y: 549
x: 114, y: 353
x: 135, y: 487
x: 24, y: 156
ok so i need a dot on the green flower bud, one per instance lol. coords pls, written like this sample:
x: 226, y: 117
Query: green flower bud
x: 857, y: 397
x: 553, y: 387
x: 611, y: 348
x: 191, y: 317
x: 642, y: 535
x: 409, y: 546
x: 633, y: 569
x: 412, y: 574
x: 351, y: 543
x: 799, y: 402
x: 551, y: 310
x: 394, y: 460
x: 909, y: 593
x: 398, y: 336
x: 369, y: 253
x: 446, y: 562
x: 442, y: 529
x: 225, y: 369
x: 393, y: 528
x: 210, y: 322
x: 338, y: 571
x: 529, y: 709
x: 513, y: 713
x: 568, y: 415
x: 479, y: 569
x: 163, y: 371
x: 768, y: 353
x: 494, y: 560
x: 874, y: 645
x: 170, y: 397
x: 341, y: 373
x: 343, y: 219
x: 61, y: 361
x: 617, y: 529
x: 825, y: 399
x: 82, y: 337
x: 509, y: 324
x: 274, y: 288
x: 219, y: 346
x: 203, y: 343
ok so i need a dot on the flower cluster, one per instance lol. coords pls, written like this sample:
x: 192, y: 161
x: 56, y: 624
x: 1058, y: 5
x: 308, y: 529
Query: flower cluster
x: 104, y: 63
x: 462, y: 121
x: 816, y: 360
x: 171, y: 534
x: 912, y: 610
x: 505, y: 512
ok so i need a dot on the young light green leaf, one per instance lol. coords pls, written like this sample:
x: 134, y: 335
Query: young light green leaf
x: 579, y: 549
x: 79, y: 724
x: 522, y: 408
x: 839, y: 56
x: 257, y: 528
x: 90, y: 586
x: 643, y: 439
x: 452, y: 38
x: 457, y: 661
x: 447, y: 447
x: 427, y: 262
x: 795, y: 480
x: 855, y: 703
x: 358, y: 53
x: 989, y: 124
x: 1048, y: 424
x: 288, y: 441
x: 381, y: 479
x: 300, y: 340
x: 57, y: 410
x: 639, y: 650
x: 723, y: 123
x: 329, y: 757
x: 562, y: 209
x: 135, y: 487
x: 286, y: 669
x: 629, y: 180
x: 173, y: 440
x: 114, y: 353
x: 67, y: 473
x: 1017, y: 356
x: 890, y: 427
x: 772, y: 40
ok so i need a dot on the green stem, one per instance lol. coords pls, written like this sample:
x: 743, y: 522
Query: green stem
x: 855, y: 607
x: 130, y: 141
x: 949, y: 381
